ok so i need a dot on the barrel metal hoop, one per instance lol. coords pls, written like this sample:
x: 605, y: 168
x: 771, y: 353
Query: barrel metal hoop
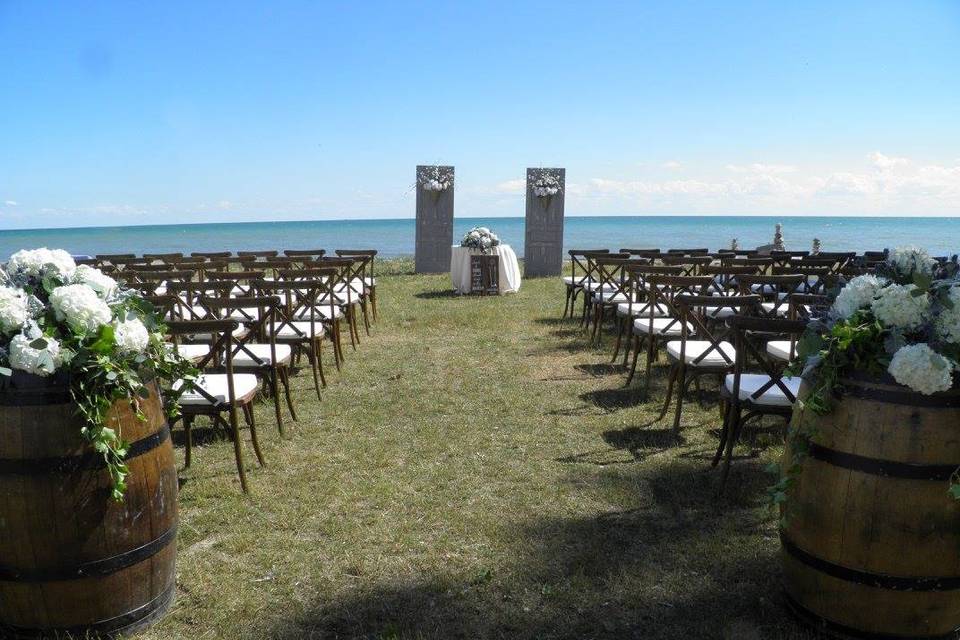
x: 835, y: 628
x: 97, y: 568
x: 895, y: 396
x: 124, y: 623
x: 879, y: 467
x: 91, y: 461
x: 878, y: 580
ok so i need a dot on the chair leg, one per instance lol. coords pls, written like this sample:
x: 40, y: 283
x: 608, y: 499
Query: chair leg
x: 731, y: 442
x: 652, y: 353
x: 566, y: 302
x: 238, y: 450
x: 319, y: 348
x: 314, y: 356
x: 252, y: 424
x: 188, y: 439
x: 352, y: 325
x: 622, y: 325
x: 285, y: 381
x: 373, y: 301
x: 636, y: 356
x: 682, y: 387
x: 335, y: 337
x: 274, y: 376
x: 666, y: 402
x: 366, y: 317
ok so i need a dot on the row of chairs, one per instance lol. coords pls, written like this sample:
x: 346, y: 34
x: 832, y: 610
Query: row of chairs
x: 247, y: 321
x: 737, y: 317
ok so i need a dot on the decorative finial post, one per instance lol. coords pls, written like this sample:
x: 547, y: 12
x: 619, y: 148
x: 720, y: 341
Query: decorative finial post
x: 778, y: 238
x: 734, y: 245
x: 816, y: 246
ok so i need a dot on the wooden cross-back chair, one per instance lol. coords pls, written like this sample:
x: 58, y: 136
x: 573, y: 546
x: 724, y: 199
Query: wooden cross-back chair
x: 244, y: 282
x: 590, y: 283
x: 303, y: 257
x: 746, y: 395
x: 329, y: 306
x: 840, y: 259
x: 638, y: 300
x: 612, y: 290
x: 162, y: 257
x: 263, y: 253
x: 345, y: 293
x: 218, y: 390
x: 299, y: 323
x: 655, y: 328
x: 358, y: 279
x: 150, y: 282
x: 761, y: 264
x: 801, y: 306
x: 369, y: 257
x: 689, y: 252
x: 257, y: 351
x: 775, y: 291
x: 574, y: 283
x: 782, y: 258
x: 704, y: 346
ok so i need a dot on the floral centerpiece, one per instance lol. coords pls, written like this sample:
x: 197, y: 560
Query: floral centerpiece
x: 546, y: 184
x: 904, y: 321
x: 77, y: 325
x: 435, y: 178
x: 480, y: 239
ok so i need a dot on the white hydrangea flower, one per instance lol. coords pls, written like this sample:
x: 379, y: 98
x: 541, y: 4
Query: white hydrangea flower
x: 40, y: 360
x: 96, y: 279
x: 41, y: 262
x: 922, y: 369
x: 14, y: 311
x: 80, y: 306
x: 909, y: 259
x: 856, y: 295
x: 948, y: 322
x: 131, y: 336
x: 896, y: 306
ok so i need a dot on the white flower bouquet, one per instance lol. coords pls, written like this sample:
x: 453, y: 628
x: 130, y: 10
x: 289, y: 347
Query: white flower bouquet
x: 481, y: 239
x: 435, y: 178
x: 63, y: 324
x: 904, y: 321
x: 546, y: 184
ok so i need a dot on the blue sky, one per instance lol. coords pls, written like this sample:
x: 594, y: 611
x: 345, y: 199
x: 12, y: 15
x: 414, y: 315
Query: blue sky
x: 136, y: 113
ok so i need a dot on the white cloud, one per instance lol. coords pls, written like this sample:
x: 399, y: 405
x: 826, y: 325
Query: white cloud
x: 759, y: 167
x: 672, y: 164
x: 10, y: 203
x: 512, y: 186
x: 882, y: 161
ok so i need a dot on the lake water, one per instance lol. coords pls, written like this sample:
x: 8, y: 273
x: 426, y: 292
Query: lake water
x: 396, y: 237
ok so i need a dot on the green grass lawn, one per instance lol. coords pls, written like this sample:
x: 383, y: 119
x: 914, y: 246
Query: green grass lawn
x: 477, y: 471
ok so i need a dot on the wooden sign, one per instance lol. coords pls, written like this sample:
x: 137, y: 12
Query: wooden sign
x: 485, y: 275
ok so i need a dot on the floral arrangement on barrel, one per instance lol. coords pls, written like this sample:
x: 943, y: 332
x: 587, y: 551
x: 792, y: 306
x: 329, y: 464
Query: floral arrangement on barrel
x: 546, y: 184
x: 77, y: 326
x: 480, y: 239
x: 435, y: 178
x: 904, y: 321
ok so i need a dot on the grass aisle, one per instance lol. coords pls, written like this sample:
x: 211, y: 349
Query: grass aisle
x: 475, y: 471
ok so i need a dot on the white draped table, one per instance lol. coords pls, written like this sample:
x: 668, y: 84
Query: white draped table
x: 509, y: 268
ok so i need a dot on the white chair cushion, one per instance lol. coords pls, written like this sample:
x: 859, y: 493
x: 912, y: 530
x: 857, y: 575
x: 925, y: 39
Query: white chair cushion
x: 288, y: 330
x: 772, y: 397
x: 782, y: 309
x: 319, y: 313
x: 570, y: 280
x: 696, y: 347
x: 193, y: 351
x: 661, y: 326
x: 610, y: 296
x: 642, y: 309
x: 779, y: 349
x: 371, y: 282
x: 262, y: 352
x: 216, y: 385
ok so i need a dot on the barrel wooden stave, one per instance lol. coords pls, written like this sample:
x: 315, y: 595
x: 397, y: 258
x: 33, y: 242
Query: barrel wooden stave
x: 55, y: 521
x: 876, y: 525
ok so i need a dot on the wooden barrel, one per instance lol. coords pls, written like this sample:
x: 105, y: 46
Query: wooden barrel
x: 871, y: 538
x: 72, y: 559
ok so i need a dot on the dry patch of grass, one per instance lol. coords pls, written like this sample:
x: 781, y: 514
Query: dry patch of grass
x: 476, y: 471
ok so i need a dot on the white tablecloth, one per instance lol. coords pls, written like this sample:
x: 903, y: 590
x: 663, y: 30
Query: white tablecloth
x: 509, y: 268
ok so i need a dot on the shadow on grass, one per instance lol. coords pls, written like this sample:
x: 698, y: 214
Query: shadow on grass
x: 679, y: 564
x: 641, y: 442
x: 444, y: 293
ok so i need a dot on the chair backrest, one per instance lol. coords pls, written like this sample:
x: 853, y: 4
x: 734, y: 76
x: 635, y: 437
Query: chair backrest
x: 258, y: 313
x: 773, y: 289
x: 698, y: 316
x: 750, y: 335
x: 244, y: 281
x: 188, y: 295
x: 664, y: 289
x: 162, y: 257
x: 815, y: 277
x: 692, y: 264
x: 258, y: 254
x: 300, y: 301
x: 725, y: 276
x: 220, y: 355
x: 149, y: 282
x: 689, y: 252
x: 368, y: 255
x: 211, y: 255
